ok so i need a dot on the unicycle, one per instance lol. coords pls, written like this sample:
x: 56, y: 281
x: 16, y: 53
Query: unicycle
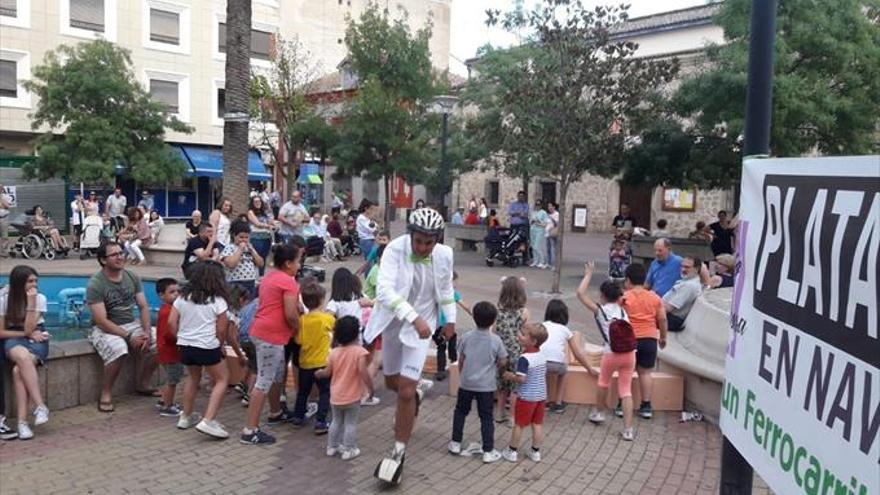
x: 390, y: 470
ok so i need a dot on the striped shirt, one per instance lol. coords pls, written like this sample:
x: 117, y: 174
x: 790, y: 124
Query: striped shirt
x: 532, y: 365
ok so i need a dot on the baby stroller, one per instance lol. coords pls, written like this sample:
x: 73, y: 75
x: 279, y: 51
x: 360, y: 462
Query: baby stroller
x: 32, y: 243
x: 351, y: 242
x: 505, y: 246
x: 91, y: 236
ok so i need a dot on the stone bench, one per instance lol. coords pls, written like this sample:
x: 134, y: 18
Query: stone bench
x: 169, y: 248
x: 643, y: 248
x: 466, y: 237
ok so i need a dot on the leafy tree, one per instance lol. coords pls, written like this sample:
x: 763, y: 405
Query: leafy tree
x: 89, y: 93
x: 826, y: 92
x: 569, y: 93
x: 387, y: 129
x: 280, y: 106
x: 236, y: 121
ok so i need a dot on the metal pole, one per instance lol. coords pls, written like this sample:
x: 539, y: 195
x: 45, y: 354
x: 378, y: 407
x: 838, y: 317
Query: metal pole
x: 759, y: 98
x: 444, y: 168
x: 736, y: 473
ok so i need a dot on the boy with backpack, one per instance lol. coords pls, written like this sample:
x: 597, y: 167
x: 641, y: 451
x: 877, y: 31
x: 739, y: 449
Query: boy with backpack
x: 620, y: 348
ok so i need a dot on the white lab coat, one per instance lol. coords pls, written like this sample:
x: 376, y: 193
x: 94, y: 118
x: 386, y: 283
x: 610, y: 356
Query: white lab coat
x: 395, y: 282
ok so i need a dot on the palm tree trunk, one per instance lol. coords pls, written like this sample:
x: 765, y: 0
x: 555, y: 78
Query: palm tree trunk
x: 236, y: 121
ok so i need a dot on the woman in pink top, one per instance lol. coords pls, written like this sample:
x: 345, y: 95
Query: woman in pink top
x: 349, y: 382
x: 276, y: 321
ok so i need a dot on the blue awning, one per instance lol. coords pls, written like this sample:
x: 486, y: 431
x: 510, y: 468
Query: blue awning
x: 120, y: 170
x: 309, y: 173
x: 208, y: 162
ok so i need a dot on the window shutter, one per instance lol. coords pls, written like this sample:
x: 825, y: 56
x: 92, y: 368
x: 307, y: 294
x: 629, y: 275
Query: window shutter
x: 221, y: 103
x: 8, y: 83
x: 261, y: 44
x: 165, y: 92
x: 221, y: 32
x: 87, y: 14
x: 9, y: 8
x: 164, y: 26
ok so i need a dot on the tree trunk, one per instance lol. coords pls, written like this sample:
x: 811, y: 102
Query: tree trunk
x: 525, y: 186
x: 291, y: 170
x: 387, y: 214
x: 236, y: 120
x: 560, y: 239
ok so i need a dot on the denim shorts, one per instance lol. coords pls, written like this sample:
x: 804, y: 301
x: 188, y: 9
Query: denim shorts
x: 40, y: 350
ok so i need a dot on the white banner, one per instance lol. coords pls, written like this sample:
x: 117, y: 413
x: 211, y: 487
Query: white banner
x: 801, y: 400
x: 13, y: 195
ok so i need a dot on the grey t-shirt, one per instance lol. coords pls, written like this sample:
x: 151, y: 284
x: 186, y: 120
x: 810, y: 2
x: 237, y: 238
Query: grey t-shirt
x: 118, y: 298
x: 116, y: 206
x: 682, y: 295
x: 481, y: 350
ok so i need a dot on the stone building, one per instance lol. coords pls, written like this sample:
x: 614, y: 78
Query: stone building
x: 681, y: 33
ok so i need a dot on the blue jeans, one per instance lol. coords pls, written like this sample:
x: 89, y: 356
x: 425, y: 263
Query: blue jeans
x: 263, y: 244
x: 305, y: 379
x: 366, y: 246
x: 485, y: 403
x: 551, y: 251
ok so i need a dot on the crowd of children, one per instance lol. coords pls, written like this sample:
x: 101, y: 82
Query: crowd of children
x: 505, y: 363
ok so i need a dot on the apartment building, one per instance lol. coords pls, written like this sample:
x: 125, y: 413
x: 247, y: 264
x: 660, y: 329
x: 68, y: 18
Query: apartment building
x: 178, y: 53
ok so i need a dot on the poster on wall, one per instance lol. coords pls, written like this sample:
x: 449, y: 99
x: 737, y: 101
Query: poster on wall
x: 11, y: 194
x: 579, y: 218
x: 801, y: 398
x: 679, y: 199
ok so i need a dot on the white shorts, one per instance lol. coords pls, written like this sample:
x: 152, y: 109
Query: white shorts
x: 400, y: 359
x: 112, y: 347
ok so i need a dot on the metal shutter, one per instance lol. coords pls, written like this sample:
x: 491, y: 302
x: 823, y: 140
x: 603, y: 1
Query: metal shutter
x: 261, y: 43
x: 9, y: 8
x: 164, y: 26
x: 165, y: 92
x: 87, y: 14
x: 8, y: 84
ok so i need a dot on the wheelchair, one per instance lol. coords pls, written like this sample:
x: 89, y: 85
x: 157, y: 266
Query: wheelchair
x: 32, y: 243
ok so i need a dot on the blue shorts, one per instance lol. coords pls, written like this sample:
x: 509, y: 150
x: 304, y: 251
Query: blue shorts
x: 40, y: 350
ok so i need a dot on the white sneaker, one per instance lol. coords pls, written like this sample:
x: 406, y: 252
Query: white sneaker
x: 534, y: 455
x: 541, y: 266
x: 311, y: 409
x: 41, y: 415
x: 490, y: 457
x: 424, y: 384
x: 628, y: 434
x: 332, y: 451
x: 187, y: 422
x: 212, y: 428
x: 596, y: 417
x: 509, y: 455
x: 24, y: 431
x: 370, y: 401
x: 454, y: 448
x: 350, y: 454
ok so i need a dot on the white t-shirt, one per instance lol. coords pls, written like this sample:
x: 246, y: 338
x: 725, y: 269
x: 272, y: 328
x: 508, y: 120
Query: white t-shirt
x: 41, y: 303
x: 340, y: 309
x: 76, y: 213
x: 296, y: 214
x: 552, y: 222
x: 116, y: 206
x: 557, y: 340
x: 608, y: 312
x: 223, y: 226
x: 198, y: 322
x: 365, y: 227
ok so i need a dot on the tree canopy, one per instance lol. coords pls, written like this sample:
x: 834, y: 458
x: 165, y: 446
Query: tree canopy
x: 103, y: 118
x: 387, y: 128
x: 826, y: 95
x: 561, y: 103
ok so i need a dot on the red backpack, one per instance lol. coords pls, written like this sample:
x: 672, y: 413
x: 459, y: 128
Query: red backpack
x: 622, y: 337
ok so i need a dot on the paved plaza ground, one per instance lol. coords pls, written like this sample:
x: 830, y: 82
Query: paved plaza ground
x: 133, y: 450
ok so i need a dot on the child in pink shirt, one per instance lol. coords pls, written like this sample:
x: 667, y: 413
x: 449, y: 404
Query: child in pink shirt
x: 349, y: 382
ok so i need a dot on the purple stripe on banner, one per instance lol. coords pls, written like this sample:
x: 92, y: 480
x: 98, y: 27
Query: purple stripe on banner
x: 739, y: 282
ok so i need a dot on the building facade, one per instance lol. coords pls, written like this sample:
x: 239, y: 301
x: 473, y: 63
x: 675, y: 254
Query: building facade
x: 682, y: 33
x: 178, y: 53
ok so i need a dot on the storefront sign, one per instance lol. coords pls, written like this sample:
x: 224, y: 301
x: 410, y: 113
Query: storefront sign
x: 801, y: 400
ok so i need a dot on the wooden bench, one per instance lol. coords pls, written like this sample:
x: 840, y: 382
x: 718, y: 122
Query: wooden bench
x: 643, y: 248
x: 466, y: 237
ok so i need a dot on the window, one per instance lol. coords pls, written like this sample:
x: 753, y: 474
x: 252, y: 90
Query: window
x: 493, y: 192
x: 164, y: 27
x: 15, y: 67
x: 221, y: 103
x: 8, y: 79
x: 548, y: 192
x: 9, y: 8
x: 166, y: 93
x: 87, y: 14
x: 261, y: 42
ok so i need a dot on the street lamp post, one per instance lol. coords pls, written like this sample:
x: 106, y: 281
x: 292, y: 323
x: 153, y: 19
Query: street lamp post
x: 445, y: 104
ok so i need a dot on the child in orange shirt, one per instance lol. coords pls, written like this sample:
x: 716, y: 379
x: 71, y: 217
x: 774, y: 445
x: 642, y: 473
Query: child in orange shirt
x: 349, y: 382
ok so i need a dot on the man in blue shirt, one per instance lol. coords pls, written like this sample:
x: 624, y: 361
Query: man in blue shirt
x: 518, y: 212
x: 665, y: 270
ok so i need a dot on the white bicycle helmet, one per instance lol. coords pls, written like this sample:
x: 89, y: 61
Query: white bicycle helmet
x: 426, y: 221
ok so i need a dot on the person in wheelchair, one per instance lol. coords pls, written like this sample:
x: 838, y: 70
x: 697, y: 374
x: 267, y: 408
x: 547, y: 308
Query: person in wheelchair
x: 42, y: 222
